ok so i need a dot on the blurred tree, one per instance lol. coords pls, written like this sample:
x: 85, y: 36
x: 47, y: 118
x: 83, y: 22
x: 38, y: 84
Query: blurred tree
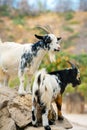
x: 63, y: 5
x: 42, y: 5
x: 6, y: 2
x: 83, y: 5
x: 24, y: 7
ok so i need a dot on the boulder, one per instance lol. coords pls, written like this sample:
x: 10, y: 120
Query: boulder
x: 20, y: 110
x: 6, y: 94
x: 15, y: 112
x: 6, y: 123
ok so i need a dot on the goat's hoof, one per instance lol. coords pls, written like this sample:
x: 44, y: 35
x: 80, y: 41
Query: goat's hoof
x: 29, y: 92
x: 22, y: 93
x: 60, y: 118
x: 51, y: 122
x: 36, y: 125
x: 47, y: 127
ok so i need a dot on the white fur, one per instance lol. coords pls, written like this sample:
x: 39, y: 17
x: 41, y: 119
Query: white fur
x: 10, y: 60
x: 49, y: 89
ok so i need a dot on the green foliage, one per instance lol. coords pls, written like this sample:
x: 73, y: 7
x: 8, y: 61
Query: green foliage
x: 14, y: 82
x: 69, y: 15
x: 74, y: 22
x: 4, y: 10
x: 19, y: 20
x: 67, y: 28
x: 70, y: 41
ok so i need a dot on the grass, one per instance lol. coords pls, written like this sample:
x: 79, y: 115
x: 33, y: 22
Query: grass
x: 19, y: 20
x: 67, y: 28
x: 68, y: 15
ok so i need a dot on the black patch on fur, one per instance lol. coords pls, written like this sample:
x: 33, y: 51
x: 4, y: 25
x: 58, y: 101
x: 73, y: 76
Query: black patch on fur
x: 26, y: 59
x: 33, y: 116
x: 37, y: 93
x: 43, y: 109
x: 47, y: 127
x: 39, y: 80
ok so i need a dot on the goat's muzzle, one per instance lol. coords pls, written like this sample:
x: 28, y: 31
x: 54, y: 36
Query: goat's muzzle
x: 77, y: 82
x: 58, y: 49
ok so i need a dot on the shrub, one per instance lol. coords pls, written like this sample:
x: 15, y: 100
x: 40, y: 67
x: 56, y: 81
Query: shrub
x: 69, y: 15
x: 19, y: 20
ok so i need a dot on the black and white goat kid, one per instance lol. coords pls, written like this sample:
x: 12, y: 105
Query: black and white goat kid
x: 48, y: 87
x: 24, y: 58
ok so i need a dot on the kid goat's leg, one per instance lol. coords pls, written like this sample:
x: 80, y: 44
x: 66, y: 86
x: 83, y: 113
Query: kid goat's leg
x: 45, y: 118
x: 34, y: 112
x: 59, y: 105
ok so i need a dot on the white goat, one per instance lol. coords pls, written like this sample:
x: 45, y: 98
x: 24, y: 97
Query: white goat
x: 45, y: 90
x: 20, y: 59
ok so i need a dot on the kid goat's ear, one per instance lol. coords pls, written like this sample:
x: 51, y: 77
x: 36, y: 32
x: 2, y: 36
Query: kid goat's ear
x: 39, y: 37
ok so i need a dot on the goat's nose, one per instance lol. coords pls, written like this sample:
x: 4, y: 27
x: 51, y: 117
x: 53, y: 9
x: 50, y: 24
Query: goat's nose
x: 58, y: 47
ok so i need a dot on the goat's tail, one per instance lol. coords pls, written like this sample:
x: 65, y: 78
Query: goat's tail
x: 39, y: 77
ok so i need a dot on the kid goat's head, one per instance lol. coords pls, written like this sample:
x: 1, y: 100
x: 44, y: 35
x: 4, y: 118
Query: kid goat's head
x: 51, y: 42
x: 74, y: 75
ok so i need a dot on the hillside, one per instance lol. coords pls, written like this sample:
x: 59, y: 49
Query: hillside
x: 70, y: 26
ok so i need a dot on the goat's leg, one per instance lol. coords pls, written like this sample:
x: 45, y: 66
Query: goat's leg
x: 4, y: 78
x: 21, y: 90
x: 28, y: 87
x: 59, y: 106
x: 34, y: 111
x: 45, y: 118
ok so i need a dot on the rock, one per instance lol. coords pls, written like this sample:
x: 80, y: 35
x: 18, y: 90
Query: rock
x: 15, y: 112
x: 59, y: 125
x: 6, y: 123
x: 20, y: 110
x: 53, y: 127
x: 6, y: 94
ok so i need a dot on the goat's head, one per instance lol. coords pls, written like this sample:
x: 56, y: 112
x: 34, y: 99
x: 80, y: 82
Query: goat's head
x: 51, y: 42
x: 74, y: 75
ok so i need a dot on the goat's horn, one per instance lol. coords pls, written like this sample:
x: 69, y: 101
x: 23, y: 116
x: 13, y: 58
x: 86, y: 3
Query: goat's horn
x: 73, y: 66
x: 49, y: 28
x: 43, y: 28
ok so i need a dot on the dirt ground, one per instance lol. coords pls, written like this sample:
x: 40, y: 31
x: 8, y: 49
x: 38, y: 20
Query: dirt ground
x: 78, y: 121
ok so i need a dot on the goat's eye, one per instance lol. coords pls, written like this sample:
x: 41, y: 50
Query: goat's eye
x: 58, y: 38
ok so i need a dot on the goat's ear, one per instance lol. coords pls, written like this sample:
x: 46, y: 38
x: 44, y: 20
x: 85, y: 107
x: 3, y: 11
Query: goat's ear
x: 39, y: 37
x: 59, y: 38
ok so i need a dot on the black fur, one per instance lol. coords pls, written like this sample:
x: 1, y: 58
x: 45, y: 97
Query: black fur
x: 47, y: 128
x: 33, y: 116
x: 39, y: 80
x: 67, y: 76
x: 27, y: 57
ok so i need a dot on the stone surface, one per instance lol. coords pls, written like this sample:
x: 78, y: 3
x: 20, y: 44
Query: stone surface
x: 42, y: 128
x: 16, y: 110
x: 6, y: 123
x: 20, y: 110
x: 6, y: 94
x: 59, y: 125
